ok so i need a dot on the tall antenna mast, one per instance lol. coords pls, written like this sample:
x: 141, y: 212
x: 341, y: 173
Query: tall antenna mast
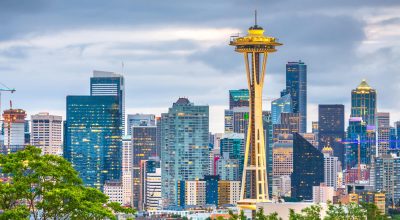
x: 255, y: 17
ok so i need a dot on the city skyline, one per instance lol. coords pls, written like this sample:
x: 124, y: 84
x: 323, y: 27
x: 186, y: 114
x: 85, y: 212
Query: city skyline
x: 59, y: 53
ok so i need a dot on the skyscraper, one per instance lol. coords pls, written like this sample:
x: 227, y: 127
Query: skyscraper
x: 359, y: 136
x: 331, y: 128
x: 144, y: 146
x: 46, y: 133
x: 232, y: 146
x: 93, y: 138
x: 109, y: 84
x: 280, y: 105
x: 14, y: 130
x: 127, y: 170
x: 308, y: 168
x: 296, y: 86
x: 238, y: 98
x: 140, y: 119
x: 150, y: 184
x: 330, y: 167
x: 237, y: 120
x: 363, y: 103
x: 383, y: 132
x: 184, y: 147
x: 290, y: 123
x: 387, y: 177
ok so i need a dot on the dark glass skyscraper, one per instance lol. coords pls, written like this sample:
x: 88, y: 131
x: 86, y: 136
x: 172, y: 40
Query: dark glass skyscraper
x: 363, y: 103
x: 238, y: 98
x: 359, y: 132
x: 93, y: 138
x: 296, y: 86
x: 109, y: 84
x: 308, y: 168
x: 331, y: 129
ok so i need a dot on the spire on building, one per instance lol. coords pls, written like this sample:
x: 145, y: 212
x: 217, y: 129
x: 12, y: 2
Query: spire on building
x: 363, y: 85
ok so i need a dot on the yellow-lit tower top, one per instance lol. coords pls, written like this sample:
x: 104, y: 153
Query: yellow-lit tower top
x: 255, y: 47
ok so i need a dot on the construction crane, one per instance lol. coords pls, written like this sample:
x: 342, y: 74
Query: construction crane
x: 5, y: 88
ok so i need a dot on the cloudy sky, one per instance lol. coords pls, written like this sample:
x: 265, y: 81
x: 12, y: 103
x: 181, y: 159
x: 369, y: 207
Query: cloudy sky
x: 172, y: 49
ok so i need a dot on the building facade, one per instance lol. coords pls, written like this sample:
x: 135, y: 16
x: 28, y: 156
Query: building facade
x: 280, y: 105
x: 331, y: 129
x: 308, y: 168
x: 104, y: 83
x: 14, y: 130
x: 238, y: 98
x: 184, y: 147
x: 93, y: 138
x: 363, y: 103
x: 46, y: 133
x: 296, y: 86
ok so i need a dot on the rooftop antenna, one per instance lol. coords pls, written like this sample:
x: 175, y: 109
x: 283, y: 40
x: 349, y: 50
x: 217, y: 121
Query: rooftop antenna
x: 255, y: 17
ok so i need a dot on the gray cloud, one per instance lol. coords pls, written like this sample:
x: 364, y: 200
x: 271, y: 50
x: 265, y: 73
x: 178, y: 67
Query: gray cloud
x: 327, y: 35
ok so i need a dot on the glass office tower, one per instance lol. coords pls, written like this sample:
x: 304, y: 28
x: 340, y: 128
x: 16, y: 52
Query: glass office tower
x: 109, y: 84
x: 238, y: 98
x: 308, y: 168
x: 296, y: 86
x: 281, y: 105
x: 331, y: 129
x: 93, y: 138
x: 363, y: 103
x: 184, y: 147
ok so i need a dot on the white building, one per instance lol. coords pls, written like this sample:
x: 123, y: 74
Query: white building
x: 281, y: 186
x: 127, y: 170
x: 46, y: 133
x: 331, y: 165
x: 113, y: 189
x: 195, y: 193
x: 323, y: 193
x: 153, y: 200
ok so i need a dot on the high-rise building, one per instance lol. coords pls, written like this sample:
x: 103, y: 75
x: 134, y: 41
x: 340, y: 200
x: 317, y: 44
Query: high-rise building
x: 228, y: 169
x: 280, y: 105
x: 383, y: 132
x: 150, y: 184
x: 46, y: 133
x: 238, y: 98
x: 296, y: 86
x: 359, y: 136
x: 290, y: 123
x: 314, y: 127
x: 281, y: 186
x: 144, y: 145
x: 387, y: 177
x: 140, y: 120
x: 232, y: 146
x: 14, y: 130
x: 331, y: 165
x: 114, y: 190
x: 237, y: 120
x: 363, y: 103
x: 211, y: 189
x: 308, y: 168
x: 191, y: 193
x: 397, y: 127
x: 109, y: 84
x: 228, y: 192
x: 323, y: 193
x: 331, y: 129
x: 184, y: 147
x: 127, y: 169
x: 392, y: 138
x: 283, y: 156
x: 93, y: 138
x: 268, y: 138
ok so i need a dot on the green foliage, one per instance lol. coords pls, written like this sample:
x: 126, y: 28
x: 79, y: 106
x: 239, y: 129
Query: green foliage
x: 234, y: 216
x: 309, y: 213
x: 261, y: 216
x: 47, y: 187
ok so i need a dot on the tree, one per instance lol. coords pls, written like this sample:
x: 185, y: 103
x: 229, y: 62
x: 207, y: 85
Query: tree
x: 309, y: 213
x: 336, y: 212
x: 47, y: 187
x: 373, y: 213
x: 234, y: 216
x: 261, y: 216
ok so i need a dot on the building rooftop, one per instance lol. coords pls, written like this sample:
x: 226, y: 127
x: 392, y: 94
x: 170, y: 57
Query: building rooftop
x: 363, y: 85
